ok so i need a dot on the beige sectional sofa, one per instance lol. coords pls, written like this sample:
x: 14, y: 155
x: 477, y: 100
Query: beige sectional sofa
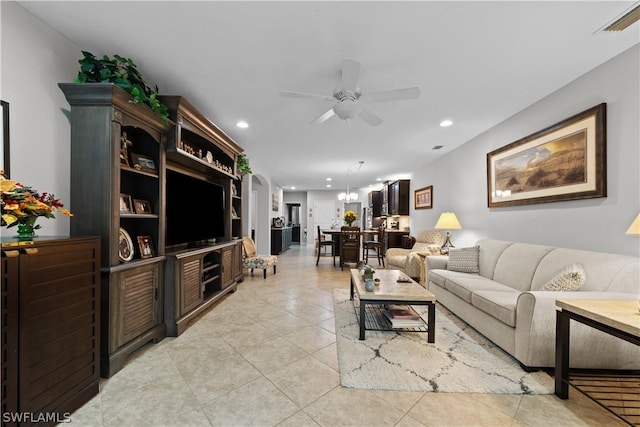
x: 505, y: 303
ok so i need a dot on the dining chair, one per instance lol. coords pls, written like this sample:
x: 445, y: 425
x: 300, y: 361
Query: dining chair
x: 322, y: 243
x: 349, y: 245
x: 377, y: 245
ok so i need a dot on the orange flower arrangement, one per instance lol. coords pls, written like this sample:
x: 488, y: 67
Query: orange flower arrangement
x: 22, y: 205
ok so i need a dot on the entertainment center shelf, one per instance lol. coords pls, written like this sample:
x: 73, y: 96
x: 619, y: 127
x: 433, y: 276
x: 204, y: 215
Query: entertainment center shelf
x: 129, y: 171
x: 201, y: 277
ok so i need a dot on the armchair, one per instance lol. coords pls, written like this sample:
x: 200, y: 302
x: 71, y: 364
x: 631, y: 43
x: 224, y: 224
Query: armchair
x: 412, y: 261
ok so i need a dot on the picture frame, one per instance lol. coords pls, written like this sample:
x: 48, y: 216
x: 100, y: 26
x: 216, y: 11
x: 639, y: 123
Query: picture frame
x: 125, y: 246
x: 142, y: 162
x: 145, y: 246
x: 275, y: 202
x: 566, y: 161
x: 4, y: 162
x: 423, y: 198
x: 125, y: 204
x: 142, y: 207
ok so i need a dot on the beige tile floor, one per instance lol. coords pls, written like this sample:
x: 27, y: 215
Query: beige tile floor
x: 266, y: 356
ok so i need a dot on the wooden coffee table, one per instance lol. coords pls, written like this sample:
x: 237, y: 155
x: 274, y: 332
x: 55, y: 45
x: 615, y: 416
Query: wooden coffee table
x: 390, y: 291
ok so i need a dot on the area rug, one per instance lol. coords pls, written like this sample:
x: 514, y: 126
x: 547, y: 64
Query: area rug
x: 461, y: 360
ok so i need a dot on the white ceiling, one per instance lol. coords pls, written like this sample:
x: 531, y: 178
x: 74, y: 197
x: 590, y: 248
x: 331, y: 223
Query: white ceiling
x: 476, y: 63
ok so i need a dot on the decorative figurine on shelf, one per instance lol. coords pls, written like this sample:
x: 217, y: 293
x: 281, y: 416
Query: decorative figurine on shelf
x: 124, y: 148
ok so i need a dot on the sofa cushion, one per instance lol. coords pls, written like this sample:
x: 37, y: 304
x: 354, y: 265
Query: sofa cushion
x: 569, y: 279
x: 498, y: 304
x: 490, y: 251
x: 604, y: 272
x: 464, y: 260
x: 463, y: 285
x: 518, y: 264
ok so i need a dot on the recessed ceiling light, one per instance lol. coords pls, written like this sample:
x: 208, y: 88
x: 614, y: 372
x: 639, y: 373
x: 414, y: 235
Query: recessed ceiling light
x: 242, y: 124
x: 328, y: 185
x: 293, y: 188
x: 329, y: 179
x: 446, y: 123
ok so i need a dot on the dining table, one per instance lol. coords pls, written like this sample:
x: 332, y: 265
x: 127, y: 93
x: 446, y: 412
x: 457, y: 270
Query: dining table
x: 334, y: 233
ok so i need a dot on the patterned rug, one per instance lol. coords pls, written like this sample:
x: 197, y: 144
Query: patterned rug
x: 461, y: 360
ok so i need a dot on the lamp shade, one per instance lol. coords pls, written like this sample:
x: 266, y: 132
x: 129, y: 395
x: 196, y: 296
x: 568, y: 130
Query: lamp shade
x: 635, y: 226
x: 448, y: 221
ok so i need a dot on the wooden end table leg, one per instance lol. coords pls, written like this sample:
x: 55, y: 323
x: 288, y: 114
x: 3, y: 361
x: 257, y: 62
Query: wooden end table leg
x: 362, y: 319
x: 431, y: 331
x: 562, y: 355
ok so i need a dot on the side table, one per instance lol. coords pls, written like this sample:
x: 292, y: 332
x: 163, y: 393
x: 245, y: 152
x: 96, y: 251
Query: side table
x: 619, y: 318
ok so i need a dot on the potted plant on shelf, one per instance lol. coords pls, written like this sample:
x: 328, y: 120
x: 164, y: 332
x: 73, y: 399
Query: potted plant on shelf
x: 243, y: 164
x: 124, y: 73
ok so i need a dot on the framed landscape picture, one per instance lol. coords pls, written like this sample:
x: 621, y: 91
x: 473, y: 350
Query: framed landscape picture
x: 566, y: 161
x: 423, y: 198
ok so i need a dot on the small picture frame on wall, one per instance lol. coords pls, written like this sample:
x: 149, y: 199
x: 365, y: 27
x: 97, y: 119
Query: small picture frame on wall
x: 125, y: 204
x: 423, y: 198
x: 145, y: 246
x: 142, y: 206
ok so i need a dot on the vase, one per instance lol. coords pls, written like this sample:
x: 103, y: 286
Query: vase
x: 369, y: 285
x: 26, y: 229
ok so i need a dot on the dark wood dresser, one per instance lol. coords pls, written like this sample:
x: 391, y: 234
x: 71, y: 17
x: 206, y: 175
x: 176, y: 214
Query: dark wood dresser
x: 50, y: 328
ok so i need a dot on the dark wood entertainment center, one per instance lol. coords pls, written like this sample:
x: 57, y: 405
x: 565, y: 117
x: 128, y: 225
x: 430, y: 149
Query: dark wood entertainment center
x: 121, y: 151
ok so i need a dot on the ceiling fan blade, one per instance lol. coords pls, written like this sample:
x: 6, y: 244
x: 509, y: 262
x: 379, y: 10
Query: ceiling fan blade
x: 324, y: 117
x: 350, y: 74
x: 391, y: 95
x: 305, y: 95
x: 369, y: 117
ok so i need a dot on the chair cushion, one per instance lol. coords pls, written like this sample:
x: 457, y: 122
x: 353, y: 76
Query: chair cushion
x: 498, y: 304
x: 262, y: 261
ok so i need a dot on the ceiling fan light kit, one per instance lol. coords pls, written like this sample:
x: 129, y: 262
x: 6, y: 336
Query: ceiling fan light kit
x: 349, y: 99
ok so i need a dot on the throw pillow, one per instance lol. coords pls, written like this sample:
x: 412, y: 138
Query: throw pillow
x: 464, y: 260
x: 569, y: 279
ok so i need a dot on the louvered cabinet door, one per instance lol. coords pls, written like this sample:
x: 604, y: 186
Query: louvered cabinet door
x: 10, y: 327
x: 226, y: 255
x: 138, y: 302
x: 191, y: 289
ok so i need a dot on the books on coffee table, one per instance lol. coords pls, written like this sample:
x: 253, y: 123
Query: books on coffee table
x: 403, y: 316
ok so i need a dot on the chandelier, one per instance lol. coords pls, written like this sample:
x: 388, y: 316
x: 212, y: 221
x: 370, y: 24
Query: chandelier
x: 349, y: 196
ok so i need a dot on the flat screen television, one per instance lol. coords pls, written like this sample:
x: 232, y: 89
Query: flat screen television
x: 195, y: 210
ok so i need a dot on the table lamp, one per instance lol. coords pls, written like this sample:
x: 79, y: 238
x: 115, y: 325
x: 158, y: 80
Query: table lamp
x: 635, y: 226
x: 447, y: 221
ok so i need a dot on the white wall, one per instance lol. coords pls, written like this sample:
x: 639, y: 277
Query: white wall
x: 35, y: 58
x: 460, y: 184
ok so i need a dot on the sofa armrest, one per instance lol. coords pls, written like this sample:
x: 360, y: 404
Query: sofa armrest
x: 436, y: 262
x: 397, y: 252
x: 536, y: 322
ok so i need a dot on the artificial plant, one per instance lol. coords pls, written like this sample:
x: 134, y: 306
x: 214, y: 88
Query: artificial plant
x: 124, y: 73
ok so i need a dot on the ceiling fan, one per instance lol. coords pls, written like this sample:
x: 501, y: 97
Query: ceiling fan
x: 350, y: 100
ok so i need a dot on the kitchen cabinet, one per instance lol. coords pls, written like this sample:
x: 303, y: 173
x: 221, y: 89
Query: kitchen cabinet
x: 399, y: 197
